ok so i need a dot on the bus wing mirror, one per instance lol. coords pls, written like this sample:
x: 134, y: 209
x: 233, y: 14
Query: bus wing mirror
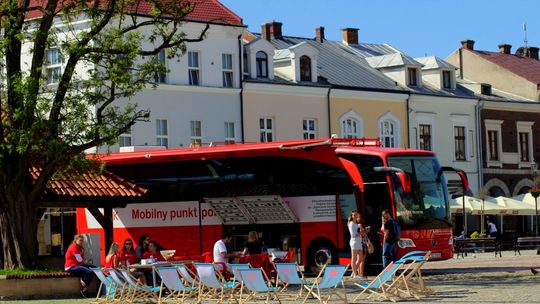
x: 462, y: 176
x: 405, y: 181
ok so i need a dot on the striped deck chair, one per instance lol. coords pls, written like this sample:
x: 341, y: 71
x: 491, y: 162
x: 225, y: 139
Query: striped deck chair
x: 137, y: 291
x: 328, y: 279
x: 214, y: 282
x: 289, y: 274
x: 111, y: 292
x: 187, y: 275
x: 170, y: 278
x: 255, y: 281
x: 410, y: 279
x: 380, y: 286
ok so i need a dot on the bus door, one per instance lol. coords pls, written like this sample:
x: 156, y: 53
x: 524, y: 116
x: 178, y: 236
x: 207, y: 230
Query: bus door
x: 269, y: 215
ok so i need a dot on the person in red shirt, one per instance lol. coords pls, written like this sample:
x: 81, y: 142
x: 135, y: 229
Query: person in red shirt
x: 75, y: 263
x: 153, y: 251
x: 128, y: 255
x: 112, y: 260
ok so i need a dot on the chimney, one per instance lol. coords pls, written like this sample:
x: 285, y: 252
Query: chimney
x: 533, y: 52
x: 275, y: 29
x: 265, y: 31
x: 505, y: 48
x: 350, y: 35
x: 467, y: 44
x: 319, y: 34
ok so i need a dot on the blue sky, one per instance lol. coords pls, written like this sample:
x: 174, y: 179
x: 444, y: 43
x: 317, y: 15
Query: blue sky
x: 417, y: 27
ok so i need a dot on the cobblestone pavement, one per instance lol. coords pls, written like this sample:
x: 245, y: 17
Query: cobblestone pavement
x: 479, y: 278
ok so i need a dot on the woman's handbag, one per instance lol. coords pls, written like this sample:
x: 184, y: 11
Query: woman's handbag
x: 370, y: 248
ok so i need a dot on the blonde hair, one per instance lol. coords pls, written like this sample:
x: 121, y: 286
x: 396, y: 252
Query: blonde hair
x: 76, y: 237
x: 114, y: 248
x: 351, y: 216
x: 252, y: 236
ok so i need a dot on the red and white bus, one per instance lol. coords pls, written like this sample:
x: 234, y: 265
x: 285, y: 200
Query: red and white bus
x: 293, y: 191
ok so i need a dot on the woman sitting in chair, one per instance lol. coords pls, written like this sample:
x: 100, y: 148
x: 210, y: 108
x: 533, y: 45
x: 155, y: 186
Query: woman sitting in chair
x: 75, y: 263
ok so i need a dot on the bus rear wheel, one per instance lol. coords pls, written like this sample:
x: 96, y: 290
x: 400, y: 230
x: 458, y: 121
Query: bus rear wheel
x: 320, y: 254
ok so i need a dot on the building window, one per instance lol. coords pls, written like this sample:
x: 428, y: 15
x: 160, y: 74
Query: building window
x: 459, y: 142
x: 447, y: 80
x: 267, y: 129
x: 412, y: 73
x: 196, y: 133
x: 388, y: 133
x: 309, y: 127
x: 193, y: 68
x: 350, y: 128
x: 159, y: 77
x: 493, y: 145
x: 262, y: 64
x: 54, y: 66
x: 124, y: 140
x: 305, y: 68
x: 425, y: 137
x: 162, y: 133
x: 229, y: 133
x: 524, y: 147
x: 226, y: 61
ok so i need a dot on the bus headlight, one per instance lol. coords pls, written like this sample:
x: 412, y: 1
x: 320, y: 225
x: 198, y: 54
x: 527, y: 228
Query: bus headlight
x: 451, y: 241
x: 406, y: 243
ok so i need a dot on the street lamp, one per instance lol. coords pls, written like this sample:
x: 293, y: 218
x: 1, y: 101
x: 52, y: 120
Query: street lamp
x: 535, y: 192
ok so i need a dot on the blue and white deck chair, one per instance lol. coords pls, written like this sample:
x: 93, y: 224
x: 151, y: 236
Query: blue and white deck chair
x: 410, y: 280
x: 187, y: 275
x: 328, y: 279
x: 214, y: 282
x: 235, y: 269
x: 138, y: 291
x: 106, y: 286
x: 381, y: 285
x: 289, y: 274
x: 255, y: 281
x: 170, y: 278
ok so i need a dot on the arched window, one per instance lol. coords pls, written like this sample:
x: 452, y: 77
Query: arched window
x: 305, y: 68
x: 350, y: 128
x: 388, y: 133
x: 262, y: 64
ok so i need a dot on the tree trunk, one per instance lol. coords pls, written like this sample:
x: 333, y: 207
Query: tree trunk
x: 18, y: 232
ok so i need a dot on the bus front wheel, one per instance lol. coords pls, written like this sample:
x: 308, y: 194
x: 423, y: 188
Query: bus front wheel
x: 319, y: 254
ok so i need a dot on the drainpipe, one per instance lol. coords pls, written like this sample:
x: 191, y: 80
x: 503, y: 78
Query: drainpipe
x: 478, y: 109
x: 408, y: 121
x: 329, y: 115
x: 241, y: 74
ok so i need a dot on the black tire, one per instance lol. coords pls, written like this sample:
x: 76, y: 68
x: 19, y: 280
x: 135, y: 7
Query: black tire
x: 319, y: 254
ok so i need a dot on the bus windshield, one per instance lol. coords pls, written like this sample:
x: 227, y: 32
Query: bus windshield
x: 426, y: 205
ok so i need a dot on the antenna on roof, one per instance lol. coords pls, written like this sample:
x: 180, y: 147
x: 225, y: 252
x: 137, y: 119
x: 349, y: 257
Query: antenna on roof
x: 525, y: 33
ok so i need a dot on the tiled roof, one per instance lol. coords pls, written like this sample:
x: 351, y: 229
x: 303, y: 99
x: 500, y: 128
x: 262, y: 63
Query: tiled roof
x: 104, y: 185
x: 525, y: 67
x: 205, y: 10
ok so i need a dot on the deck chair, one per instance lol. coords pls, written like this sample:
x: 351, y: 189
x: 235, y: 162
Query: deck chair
x: 187, y: 275
x: 136, y: 290
x: 255, y: 281
x: 288, y: 274
x: 214, y: 282
x: 381, y: 285
x: 410, y: 280
x: 109, y: 289
x: 235, y: 269
x: 170, y: 278
x: 328, y: 279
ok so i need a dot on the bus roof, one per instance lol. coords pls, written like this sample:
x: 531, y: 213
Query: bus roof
x: 353, y: 146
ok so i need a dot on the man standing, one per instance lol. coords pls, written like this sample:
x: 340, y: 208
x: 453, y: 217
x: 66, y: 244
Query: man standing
x: 221, y: 257
x: 389, y: 238
x: 492, y: 229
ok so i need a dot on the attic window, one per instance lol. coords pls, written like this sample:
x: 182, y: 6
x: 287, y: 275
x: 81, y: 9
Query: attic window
x: 485, y: 89
x: 305, y: 68
x: 412, y: 73
x: 262, y: 64
x: 447, y: 80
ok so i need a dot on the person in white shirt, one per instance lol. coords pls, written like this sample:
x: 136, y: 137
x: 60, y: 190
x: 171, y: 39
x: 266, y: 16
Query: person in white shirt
x: 221, y: 257
x: 356, y: 243
x: 492, y: 229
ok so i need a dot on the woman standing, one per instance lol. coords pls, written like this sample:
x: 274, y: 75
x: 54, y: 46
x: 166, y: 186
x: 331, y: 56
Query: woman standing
x: 75, y: 263
x: 253, y: 245
x: 356, y: 243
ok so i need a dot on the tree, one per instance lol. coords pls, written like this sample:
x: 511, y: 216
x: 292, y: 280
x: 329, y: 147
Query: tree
x: 64, y: 63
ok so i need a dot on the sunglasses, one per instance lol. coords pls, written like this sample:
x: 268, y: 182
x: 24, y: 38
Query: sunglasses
x: 128, y: 244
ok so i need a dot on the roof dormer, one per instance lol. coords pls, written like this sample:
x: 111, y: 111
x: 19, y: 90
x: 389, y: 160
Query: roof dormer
x: 401, y: 68
x: 438, y: 72
x: 297, y: 63
x: 259, y: 59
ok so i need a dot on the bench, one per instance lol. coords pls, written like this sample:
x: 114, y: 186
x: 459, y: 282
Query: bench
x: 526, y: 242
x: 463, y: 246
